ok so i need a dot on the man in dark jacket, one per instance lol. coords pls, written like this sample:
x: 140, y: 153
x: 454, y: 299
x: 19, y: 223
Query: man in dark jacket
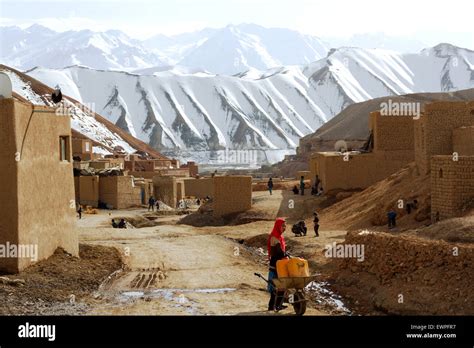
x: 270, y: 185
x: 151, y: 203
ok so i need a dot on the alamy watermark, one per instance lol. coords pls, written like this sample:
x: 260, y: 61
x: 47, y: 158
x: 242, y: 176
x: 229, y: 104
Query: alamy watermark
x: 26, y: 251
x: 228, y: 156
x: 394, y: 108
x: 343, y: 251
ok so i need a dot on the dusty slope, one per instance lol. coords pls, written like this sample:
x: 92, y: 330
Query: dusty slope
x: 352, y: 122
x: 369, y: 207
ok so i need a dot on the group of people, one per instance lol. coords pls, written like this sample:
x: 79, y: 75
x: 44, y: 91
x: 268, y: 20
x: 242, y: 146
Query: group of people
x: 392, y: 214
x: 152, y: 203
x: 121, y: 224
x: 300, y: 229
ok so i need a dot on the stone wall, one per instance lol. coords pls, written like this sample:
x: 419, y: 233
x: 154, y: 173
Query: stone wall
x: 433, y: 276
x: 232, y: 194
x: 452, y: 185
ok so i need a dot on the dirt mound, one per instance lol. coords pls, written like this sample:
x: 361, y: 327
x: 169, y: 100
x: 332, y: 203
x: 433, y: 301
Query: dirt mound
x: 405, y: 275
x: 369, y: 207
x: 458, y: 230
x: 60, y: 284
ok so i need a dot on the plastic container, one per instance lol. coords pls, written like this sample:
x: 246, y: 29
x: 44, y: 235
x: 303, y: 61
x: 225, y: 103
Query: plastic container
x: 282, y: 268
x: 297, y: 267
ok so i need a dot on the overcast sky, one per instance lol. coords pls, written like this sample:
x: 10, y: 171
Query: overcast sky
x: 429, y: 21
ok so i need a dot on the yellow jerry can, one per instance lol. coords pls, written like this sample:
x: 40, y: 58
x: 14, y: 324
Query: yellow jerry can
x: 282, y: 269
x: 297, y: 267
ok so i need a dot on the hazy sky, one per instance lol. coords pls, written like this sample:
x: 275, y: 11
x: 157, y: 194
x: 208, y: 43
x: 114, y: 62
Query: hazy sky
x: 430, y: 21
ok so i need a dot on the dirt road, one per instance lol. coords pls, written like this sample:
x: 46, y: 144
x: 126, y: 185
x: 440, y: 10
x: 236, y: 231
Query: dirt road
x: 184, y: 270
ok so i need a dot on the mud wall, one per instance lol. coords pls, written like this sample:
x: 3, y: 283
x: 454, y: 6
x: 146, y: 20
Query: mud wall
x: 433, y: 277
x: 463, y: 141
x: 232, y: 194
x: 37, y: 190
x: 452, y: 185
x: 438, y: 122
x: 392, y: 132
x: 199, y: 188
x: 89, y: 190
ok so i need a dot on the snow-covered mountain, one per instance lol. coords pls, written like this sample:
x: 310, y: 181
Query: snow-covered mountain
x: 403, y: 44
x: 229, y: 50
x: 40, y: 46
x: 238, y: 48
x: 192, y: 114
x: 105, y: 135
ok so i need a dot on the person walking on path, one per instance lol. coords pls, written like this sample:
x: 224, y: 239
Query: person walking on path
x: 151, y: 203
x: 79, y: 211
x: 316, y: 224
x: 270, y: 185
x: 302, y: 185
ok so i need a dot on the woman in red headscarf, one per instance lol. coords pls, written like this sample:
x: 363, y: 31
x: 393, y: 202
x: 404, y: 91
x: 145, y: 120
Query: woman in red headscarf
x: 276, y: 251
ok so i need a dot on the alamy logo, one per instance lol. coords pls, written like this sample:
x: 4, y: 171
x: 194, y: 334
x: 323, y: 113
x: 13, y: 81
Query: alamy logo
x: 237, y: 156
x: 37, y: 331
x: 9, y: 250
x: 335, y: 250
x: 392, y: 108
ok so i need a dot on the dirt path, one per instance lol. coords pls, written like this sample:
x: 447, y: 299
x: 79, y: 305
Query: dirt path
x: 180, y: 270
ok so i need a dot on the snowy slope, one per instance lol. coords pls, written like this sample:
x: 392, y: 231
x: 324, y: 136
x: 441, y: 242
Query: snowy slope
x: 83, y: 119
x: 197, y: 113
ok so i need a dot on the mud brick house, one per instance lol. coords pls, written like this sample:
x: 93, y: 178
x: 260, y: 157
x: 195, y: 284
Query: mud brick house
x: 199, y: 188
x: 440, y: 125
x: 82, y: 148
x: 37, y: 190
x: 166, y: 190
x: 445, y: 149
x: 232, y: 194
x: 391, y: 147
x: 119, y: 192
x: 88, y: 190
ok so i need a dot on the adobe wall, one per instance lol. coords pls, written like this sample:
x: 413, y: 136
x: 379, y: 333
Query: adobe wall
x: 89, y: 190
x: 360, y: 171
x: 305, y: 173
x: 463, y: 141
x: 232, y: 194
x: 147, y: 187
x: 437, y: 125
x: 108, y: 193
x: 145, y: 175
x: 128, y: 194
x: 165, y: 189
x: 452, y: 185
x: 199, y: 188
x: 37, y: 205
x: 180, y: 190
x: 76, y: 188
x: 181, y: 172
x: 392, y: 132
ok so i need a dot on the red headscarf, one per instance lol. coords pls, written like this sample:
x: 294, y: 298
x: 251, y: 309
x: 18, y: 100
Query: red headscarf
x: 277, y: 232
